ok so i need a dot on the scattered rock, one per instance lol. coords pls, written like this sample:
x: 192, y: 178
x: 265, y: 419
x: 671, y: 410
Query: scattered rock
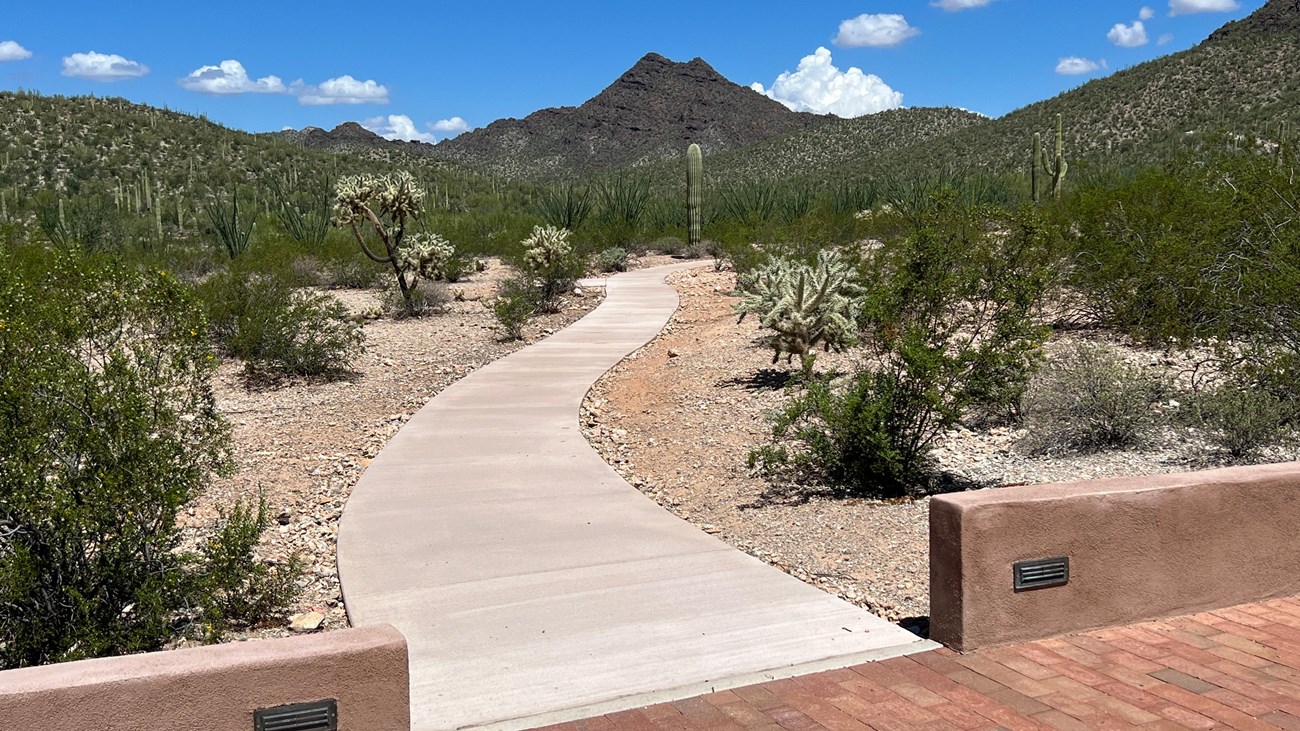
x: 306, y: 622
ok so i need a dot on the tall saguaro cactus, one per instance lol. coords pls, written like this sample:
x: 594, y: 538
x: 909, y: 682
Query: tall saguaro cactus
x: 1034, y: 157
x: 1058, y: 167
x: 694, y: 195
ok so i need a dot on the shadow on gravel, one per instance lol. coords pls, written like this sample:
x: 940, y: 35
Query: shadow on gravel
x: 919, y: 626
x: 763, y: 379
x: 785, y: 494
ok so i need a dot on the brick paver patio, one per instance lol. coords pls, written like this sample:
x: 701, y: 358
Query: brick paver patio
x: 1235, y: 668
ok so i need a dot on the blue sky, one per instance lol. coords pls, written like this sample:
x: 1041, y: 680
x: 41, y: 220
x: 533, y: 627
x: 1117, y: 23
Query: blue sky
x: 422, y: 68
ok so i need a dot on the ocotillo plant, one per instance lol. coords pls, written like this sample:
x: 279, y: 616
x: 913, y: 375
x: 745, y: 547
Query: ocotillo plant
x: 694, y: 195
x: 1058, y: 167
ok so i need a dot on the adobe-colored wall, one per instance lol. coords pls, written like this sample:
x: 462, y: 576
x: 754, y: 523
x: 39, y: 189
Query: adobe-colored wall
x: 217, y: 688
x: 1140, y: 548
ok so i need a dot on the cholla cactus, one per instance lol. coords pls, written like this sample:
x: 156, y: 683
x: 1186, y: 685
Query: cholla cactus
x: 549, y: 261
x: 806, y: 306
x: 427, y: 255
x: 546, y: 247
x: 387, y: 203
x: 359, y: 198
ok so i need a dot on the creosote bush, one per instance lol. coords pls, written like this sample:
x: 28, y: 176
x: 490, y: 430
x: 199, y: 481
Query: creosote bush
x: 513, y: 306
x: 108, y: 427
x: 613, y: 259
x: 1088, y: 399
x: 278, y: 329
x: 1239, y: 421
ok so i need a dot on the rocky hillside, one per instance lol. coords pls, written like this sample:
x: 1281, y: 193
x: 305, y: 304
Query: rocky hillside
x: 1243, y: 79
x: 77, y: 145
x: 830, y: 147
x: 354, y: 139
x: 650, y: 113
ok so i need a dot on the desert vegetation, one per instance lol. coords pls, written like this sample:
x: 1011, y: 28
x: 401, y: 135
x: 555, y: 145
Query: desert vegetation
x: 1100, y: 271
x: 955, y: 294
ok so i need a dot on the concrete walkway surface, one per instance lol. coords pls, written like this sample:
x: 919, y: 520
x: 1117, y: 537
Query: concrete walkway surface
x: 1236, y: 668
x: 534, y: 585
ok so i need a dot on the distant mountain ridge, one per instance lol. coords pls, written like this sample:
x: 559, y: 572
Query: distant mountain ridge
x: 651, y: 112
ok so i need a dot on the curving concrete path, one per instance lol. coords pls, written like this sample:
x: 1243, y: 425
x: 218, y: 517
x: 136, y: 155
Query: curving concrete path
x: 534, y: 585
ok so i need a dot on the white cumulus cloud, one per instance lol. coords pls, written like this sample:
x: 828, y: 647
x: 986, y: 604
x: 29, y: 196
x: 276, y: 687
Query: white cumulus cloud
x: 953, y: 6
x: 102, y: 67
x: 11, y: 51
x: 396, y: 127
x: 818, y: 86
x: 450, y: 127
x: 1164, y: 38
x: 1128, y: 36
x: 884, y: 30
x: 1074, y: 65
x: 1187, y: 7
x: 231, y: 78
x: 341, y: 90
x: 1146, y: 13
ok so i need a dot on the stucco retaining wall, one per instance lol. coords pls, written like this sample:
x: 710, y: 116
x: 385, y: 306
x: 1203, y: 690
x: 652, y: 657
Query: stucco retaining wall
x: 1139, y: 548
x: 217, y: 688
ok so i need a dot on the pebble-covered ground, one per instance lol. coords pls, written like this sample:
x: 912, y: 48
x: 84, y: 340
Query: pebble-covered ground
x: 679, y: 418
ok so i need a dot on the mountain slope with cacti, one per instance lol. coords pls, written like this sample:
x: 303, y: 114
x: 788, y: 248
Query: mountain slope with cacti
x: 828, y: 147
x: 1242, y: 80
x: 135, y: 154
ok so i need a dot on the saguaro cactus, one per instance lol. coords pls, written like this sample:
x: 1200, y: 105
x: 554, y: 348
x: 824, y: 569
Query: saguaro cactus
x: 1058, y: 167
x: 694, y: 195
x: 1034, y: 157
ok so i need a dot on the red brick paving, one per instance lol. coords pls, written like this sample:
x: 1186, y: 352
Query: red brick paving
x: 1235, y: 668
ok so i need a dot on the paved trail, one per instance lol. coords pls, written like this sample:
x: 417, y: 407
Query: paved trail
x: 535, y: 585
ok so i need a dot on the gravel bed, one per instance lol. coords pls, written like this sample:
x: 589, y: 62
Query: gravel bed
x: 678, y: 418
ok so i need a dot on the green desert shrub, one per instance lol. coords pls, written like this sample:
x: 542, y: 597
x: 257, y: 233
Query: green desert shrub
x: 347, y: 268
x: 1088, y: 399
x: 865, y: 435
x: 232, y: 584
x: 613, y: 259
x: 108, y: 428
x: 428, y: 299
x: 948, y: 327
x: 514, y: 305
x: 277, y: 328
x: 670, y: 245
x: 1239, y: 421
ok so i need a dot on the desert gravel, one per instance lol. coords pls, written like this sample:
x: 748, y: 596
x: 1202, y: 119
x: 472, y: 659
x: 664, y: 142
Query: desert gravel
x: 678, y: 418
